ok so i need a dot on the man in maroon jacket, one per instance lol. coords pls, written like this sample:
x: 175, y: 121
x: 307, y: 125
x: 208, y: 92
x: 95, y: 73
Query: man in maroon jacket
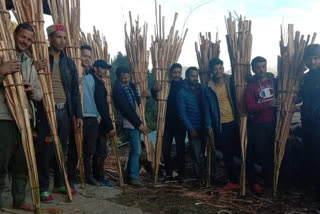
x: 260, y: 102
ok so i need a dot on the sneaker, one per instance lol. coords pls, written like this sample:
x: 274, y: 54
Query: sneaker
x: 232, y: 186
x: 106, y: 183
x: 63, y: 190
x: 135, y: 182
x: 256, y: 188
x: 180, y: 179
x: 92, y: 181
x: 46, y: 197
x: 165, y: 178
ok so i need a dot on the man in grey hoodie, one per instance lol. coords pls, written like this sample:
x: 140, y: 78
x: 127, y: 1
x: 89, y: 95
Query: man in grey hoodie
x: 12, y: 158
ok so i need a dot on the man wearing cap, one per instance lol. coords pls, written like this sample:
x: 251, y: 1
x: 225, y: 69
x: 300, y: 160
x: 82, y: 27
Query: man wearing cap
x: 95, y: 111
x: 66, y: 95
x: 12, y: 156
x: 310, y: 114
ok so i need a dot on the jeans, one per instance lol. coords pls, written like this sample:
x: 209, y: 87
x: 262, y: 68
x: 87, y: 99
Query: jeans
x: 134, y: 155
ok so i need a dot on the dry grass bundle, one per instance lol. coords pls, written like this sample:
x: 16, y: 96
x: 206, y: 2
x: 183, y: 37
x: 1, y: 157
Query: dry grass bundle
x: 164, y: 52
x: 205, y: 52
x: 239, y: 41
x: 290, y: 74
x: 18, y: 102
x: 99, y: 47
x: 67, y: 12
x: 138, y: 57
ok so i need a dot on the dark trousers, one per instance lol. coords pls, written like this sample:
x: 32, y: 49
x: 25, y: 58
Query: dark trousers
x: 228, y: 142
x: 90, y: 135
x: 99, y: 156
x: 13, y: 161
x: 72, y: 157
x: 177, y: 132
x: 260, y: 150
x: 46, y: 149
x: 197, y: 155
x: 311, y: 141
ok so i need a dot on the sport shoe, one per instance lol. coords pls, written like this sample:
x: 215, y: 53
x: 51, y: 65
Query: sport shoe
x: 63, y: 190
x: 46, y: 197
x: 256, y: 188
x: 92, y: 181
x: 180, y: 179
x: 232, y: 186
x: 106, y: 183
x: 135, y: 182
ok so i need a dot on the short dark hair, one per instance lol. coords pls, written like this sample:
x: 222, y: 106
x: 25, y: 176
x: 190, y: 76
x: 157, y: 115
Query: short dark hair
x: 192, y: 68
x: 174, y: 66
x: 25, y: 26
x: 121, y: 70
x: 256, y: 60
x: 100, y: 63
x: 215, y: 61
x: 311, y: 50
x: 85, y: 47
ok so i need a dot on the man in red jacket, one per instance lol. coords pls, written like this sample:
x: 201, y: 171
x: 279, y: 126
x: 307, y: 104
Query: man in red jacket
x: 260, y: 97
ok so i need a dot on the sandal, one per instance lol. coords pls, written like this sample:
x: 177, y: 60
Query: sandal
x: 46, y: 197
x: 25, y: 207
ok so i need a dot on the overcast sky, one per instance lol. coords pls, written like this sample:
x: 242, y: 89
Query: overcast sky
x: 109, y: 17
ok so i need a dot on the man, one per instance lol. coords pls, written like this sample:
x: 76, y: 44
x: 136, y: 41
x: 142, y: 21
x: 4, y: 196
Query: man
x: 66, y: 95
x: 173, y: 127
x: 86, y: 58
x: 95, y: 109
x: 260, y: 103
x: 12, y: 157
x: 220, y: 115
x: 190, y: 113
x: 310, y: 114
x: 127, y: 100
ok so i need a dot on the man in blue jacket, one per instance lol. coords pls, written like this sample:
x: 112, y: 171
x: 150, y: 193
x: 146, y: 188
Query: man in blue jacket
x: 220, y: 117
x: 190, y: 113
x: 310, y: 114
x: 95, y: 112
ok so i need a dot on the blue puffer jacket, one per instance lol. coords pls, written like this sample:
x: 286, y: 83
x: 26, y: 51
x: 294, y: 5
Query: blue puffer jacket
x: 189, y: 107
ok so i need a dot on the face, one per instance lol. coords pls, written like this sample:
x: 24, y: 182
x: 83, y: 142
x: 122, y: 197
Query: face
x: 58, y: 40
x: 23, y: 39
x: 193, y: 77
x: 176, y: 74
x: 217, y: 71
x: 260, y: 69
x: 125, y: 78
x: 313, y: 62
x: 86, y: 58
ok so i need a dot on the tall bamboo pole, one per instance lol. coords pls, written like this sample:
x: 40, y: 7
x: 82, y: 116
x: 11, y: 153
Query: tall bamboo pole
x: 239, y: 41
x: 290, y: 74
x: 138, y: 57
x: 18, y: 103
x: 164, y: 52
x: 99, y: 47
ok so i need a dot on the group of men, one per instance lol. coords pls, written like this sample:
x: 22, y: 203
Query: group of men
x: 192, y: 110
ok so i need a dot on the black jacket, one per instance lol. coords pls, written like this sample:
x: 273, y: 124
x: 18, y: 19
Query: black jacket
x: 100, y: 97
x: 310, y: 111
x: 121, y: 103
x: 70, y: 82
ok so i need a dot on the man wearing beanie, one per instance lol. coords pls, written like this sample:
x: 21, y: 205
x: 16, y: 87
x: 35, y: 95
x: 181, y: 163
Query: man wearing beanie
x: 66, y: 95
x: 310, y: 114
x: 97, y: 122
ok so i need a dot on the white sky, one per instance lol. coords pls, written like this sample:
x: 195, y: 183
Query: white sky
x: 109, y: 17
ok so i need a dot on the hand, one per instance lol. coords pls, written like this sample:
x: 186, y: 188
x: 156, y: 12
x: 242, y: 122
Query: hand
x: 27, y: 88
x: 144, y: 129
x: 146, y: 93
x: 112, y: 133
x: 99, y: 120
x: 10, y: 67
x: 194, y: 134
x: 210, y: 133
x: 79, y: 123
x: 157, y: 86
x: 41, y: 64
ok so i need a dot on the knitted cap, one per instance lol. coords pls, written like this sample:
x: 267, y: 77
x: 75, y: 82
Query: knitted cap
x: 54, y: 28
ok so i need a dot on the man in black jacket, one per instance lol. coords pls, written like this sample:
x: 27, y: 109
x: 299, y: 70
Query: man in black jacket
x: 95, y: 111
x: 173, y: 126
x: 310, y: 114
x: 66, y: 94
x: 127, y: 100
